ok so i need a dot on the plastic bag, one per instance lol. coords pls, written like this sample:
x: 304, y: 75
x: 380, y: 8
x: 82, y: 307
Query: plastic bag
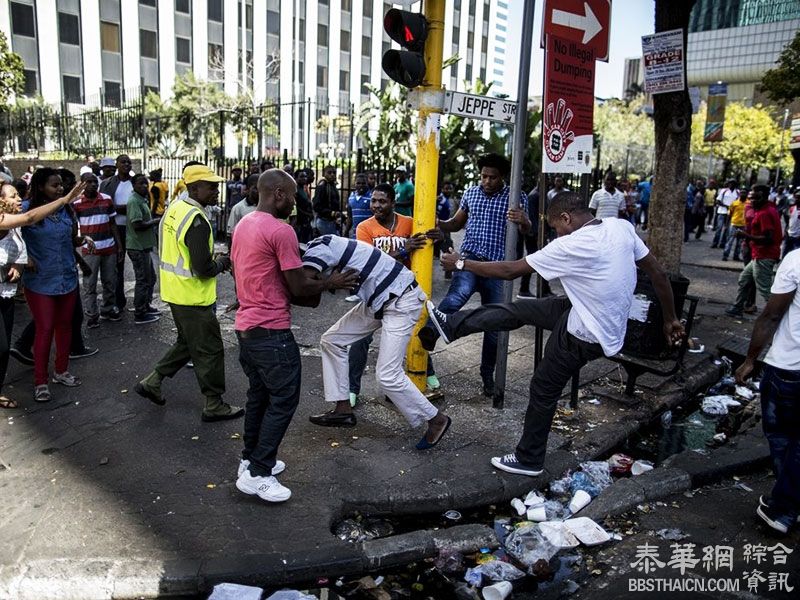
x: 620, y: 464
x: 560, y: 487
x: 718, y: 405
x: 598, y: 472
x: 290, y: 595
x: 449, y: 561
x: 497, y: 570
x: 527, y: 545
x: 555, y: 511
x: 235, y: 591
x: 582, y: 481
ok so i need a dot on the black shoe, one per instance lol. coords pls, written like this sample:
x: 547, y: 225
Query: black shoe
x: 724, y: 259
x: 113, y: 315
x: 428, y: 336
x: 145, y: 319
x: 25, y: 358
x: 733, y: 312
x: 152, y: 310
x: 439, y: 320
x: 334, y: 419
x: 83, y: 353
x: 488, y: 389
x: 234, y: 414
x: 714, y: 246
x: 525, y: 295
x: 771, y: 517
x: 765, y: 501
x: 93, y: 322
x: 146, y: 393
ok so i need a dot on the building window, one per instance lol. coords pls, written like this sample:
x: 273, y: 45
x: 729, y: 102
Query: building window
x: 248, y: 16
x: 344, y: 41
x: 322, y: 77
x: 457, y: 5
x: 148, y: 43
x: 109, y: 36
x: 22, y: 22
x: 31, y: 86
x: 68, y: 29
x: 366, y: 46
x: 216, y: 55
x: 301, y: 29
x: 344, y: 80
x: 183, y: 50
x: 456, y: 35
x: 113, y: 93
x: 322, y: 35
x: 468, y: 73
x: 72, y: 88
x: 301, y: 72
x: 273, y: 22
x: 472, y: 8
x: 183, y: 6
x: 148, y: 2
x: 215, y: 10
x: 347, y: 5
x: 367, y: 8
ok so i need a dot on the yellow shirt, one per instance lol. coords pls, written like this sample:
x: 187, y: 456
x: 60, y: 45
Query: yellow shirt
x: 737, y: 213
x: 157, y: 205
x: 710, y: 197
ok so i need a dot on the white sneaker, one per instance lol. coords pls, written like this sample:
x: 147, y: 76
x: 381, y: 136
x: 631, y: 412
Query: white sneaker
x: 352, y: 298
x: 66, y: 378
x: 266, y: 488
x: 279, y: 467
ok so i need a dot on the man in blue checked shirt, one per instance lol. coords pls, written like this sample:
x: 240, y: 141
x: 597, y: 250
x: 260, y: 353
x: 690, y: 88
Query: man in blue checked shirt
x: 484, y: 211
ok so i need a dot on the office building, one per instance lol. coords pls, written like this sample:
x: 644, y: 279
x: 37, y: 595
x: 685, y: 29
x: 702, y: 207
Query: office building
x: 280, y: 51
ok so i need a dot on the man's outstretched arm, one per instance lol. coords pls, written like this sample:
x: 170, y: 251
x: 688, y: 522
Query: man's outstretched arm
x: 765, y: 326
x: 673, y: 329
x: 504, y: 269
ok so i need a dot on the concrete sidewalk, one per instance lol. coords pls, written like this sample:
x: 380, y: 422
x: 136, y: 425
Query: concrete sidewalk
x: 107, y: 495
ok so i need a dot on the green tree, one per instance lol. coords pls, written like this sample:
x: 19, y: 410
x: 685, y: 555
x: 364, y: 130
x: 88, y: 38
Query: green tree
x: 782, y: 84
x: 751, y: 139
x: 625, y: 135
x: 385, y: 124
x: 11, y: 71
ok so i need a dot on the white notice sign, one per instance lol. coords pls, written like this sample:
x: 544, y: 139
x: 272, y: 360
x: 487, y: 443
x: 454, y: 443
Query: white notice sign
x: 662, y: 54
x: 480, y: 107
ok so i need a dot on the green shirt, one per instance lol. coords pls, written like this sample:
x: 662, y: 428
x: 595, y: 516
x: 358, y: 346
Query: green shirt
x: 404, y: 197
x: 138, y: 211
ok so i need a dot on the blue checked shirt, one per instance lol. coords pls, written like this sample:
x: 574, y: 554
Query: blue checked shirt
x: 485, y: 235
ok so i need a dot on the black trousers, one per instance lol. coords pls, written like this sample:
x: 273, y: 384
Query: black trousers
x: 564, y: 355
x: 119, y: 290
x: 527, y: 243
x: 7, y: 322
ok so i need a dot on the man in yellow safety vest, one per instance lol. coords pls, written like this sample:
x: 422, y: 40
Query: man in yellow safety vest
x: 188, y: 284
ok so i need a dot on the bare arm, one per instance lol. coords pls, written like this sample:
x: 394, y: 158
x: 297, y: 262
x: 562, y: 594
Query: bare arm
x: 456, y: 223
x: 305, y: 281
x: 673, y: 329
x: 763, y: 330
x: 8, y: 221
x: 504, y: 269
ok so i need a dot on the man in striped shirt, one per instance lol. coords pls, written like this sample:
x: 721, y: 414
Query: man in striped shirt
x: 96, y: 212
x: 390, y: 300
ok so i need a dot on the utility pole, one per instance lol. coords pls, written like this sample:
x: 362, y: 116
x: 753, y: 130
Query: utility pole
x: 426, y: 174
x: 783, y: 138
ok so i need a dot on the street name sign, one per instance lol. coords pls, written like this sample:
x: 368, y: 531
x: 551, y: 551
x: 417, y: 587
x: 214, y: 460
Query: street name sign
x: 480, y: 107
x: 585, y: 22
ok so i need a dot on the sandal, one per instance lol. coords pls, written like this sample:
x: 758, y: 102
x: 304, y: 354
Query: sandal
x: 41, y: 393
x: 66, y: 378
x: 8, y: 402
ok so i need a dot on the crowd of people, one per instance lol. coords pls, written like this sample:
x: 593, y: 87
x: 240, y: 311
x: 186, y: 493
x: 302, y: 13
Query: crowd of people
x: 291, y: 237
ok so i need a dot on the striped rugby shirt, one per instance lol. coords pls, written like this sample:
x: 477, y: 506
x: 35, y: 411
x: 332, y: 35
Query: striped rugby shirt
x: 381, y: 277
x: 96, y: 218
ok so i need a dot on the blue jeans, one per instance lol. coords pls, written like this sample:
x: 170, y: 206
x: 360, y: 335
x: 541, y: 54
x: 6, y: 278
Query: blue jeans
x: 721, y: 234
x: 462, y: 287
x: 357, y: 362
x: 780, y: 411
x: 271, y: 360
x: 733, y: 243
x: 326, y: 227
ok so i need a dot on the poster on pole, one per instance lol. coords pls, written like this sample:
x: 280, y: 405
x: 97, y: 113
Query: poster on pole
x: 715, y: 115
x: 794, y: 132
x: 568, y: 107
x: 662, y: 54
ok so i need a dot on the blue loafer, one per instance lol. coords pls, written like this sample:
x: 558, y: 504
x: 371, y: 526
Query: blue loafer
x: 424, y: 444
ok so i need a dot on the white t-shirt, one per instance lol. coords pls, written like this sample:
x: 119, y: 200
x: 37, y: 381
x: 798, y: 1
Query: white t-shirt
x: 596, y: 266
x: 607, y: 205
x: 793, y: 229
x: 121, y: 196
x: 785, y: 350
x: 726, y: 196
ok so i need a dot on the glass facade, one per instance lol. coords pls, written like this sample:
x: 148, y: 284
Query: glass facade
x: 711, y: 15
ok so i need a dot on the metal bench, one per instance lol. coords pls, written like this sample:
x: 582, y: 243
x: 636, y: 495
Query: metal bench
x: 636, y: 365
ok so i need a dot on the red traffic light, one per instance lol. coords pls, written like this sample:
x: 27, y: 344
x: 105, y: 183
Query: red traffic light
x: 406, y: 28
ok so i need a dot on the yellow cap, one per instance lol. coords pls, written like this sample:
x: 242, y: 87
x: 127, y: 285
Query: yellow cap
x: 200, y: 173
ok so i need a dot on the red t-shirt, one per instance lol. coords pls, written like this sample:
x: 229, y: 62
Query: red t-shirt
x: 262, y: 248
x: 766, y: 219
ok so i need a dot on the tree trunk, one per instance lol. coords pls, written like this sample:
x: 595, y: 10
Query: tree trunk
x: 673, y: 131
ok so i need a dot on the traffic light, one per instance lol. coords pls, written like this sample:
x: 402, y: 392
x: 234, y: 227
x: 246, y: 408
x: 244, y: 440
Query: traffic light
x: 406, y: 67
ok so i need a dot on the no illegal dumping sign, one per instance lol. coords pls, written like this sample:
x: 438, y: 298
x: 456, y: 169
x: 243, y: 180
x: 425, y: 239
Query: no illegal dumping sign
x: 794, y: 139
x: 586, y: 22
x: 568, y: 107
x: 663, y: 62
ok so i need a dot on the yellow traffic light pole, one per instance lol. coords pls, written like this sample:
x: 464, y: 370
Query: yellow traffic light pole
x: 426, y: 173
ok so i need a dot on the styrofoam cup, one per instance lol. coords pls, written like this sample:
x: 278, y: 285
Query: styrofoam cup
x: 579, y: 500
x: 537, y: 514
x: 499, y: 591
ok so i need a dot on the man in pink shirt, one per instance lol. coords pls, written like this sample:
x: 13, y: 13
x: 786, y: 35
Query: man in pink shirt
x: 269, y: 278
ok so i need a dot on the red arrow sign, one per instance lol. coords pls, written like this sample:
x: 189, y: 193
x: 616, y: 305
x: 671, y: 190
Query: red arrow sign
x: 585, y: 22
